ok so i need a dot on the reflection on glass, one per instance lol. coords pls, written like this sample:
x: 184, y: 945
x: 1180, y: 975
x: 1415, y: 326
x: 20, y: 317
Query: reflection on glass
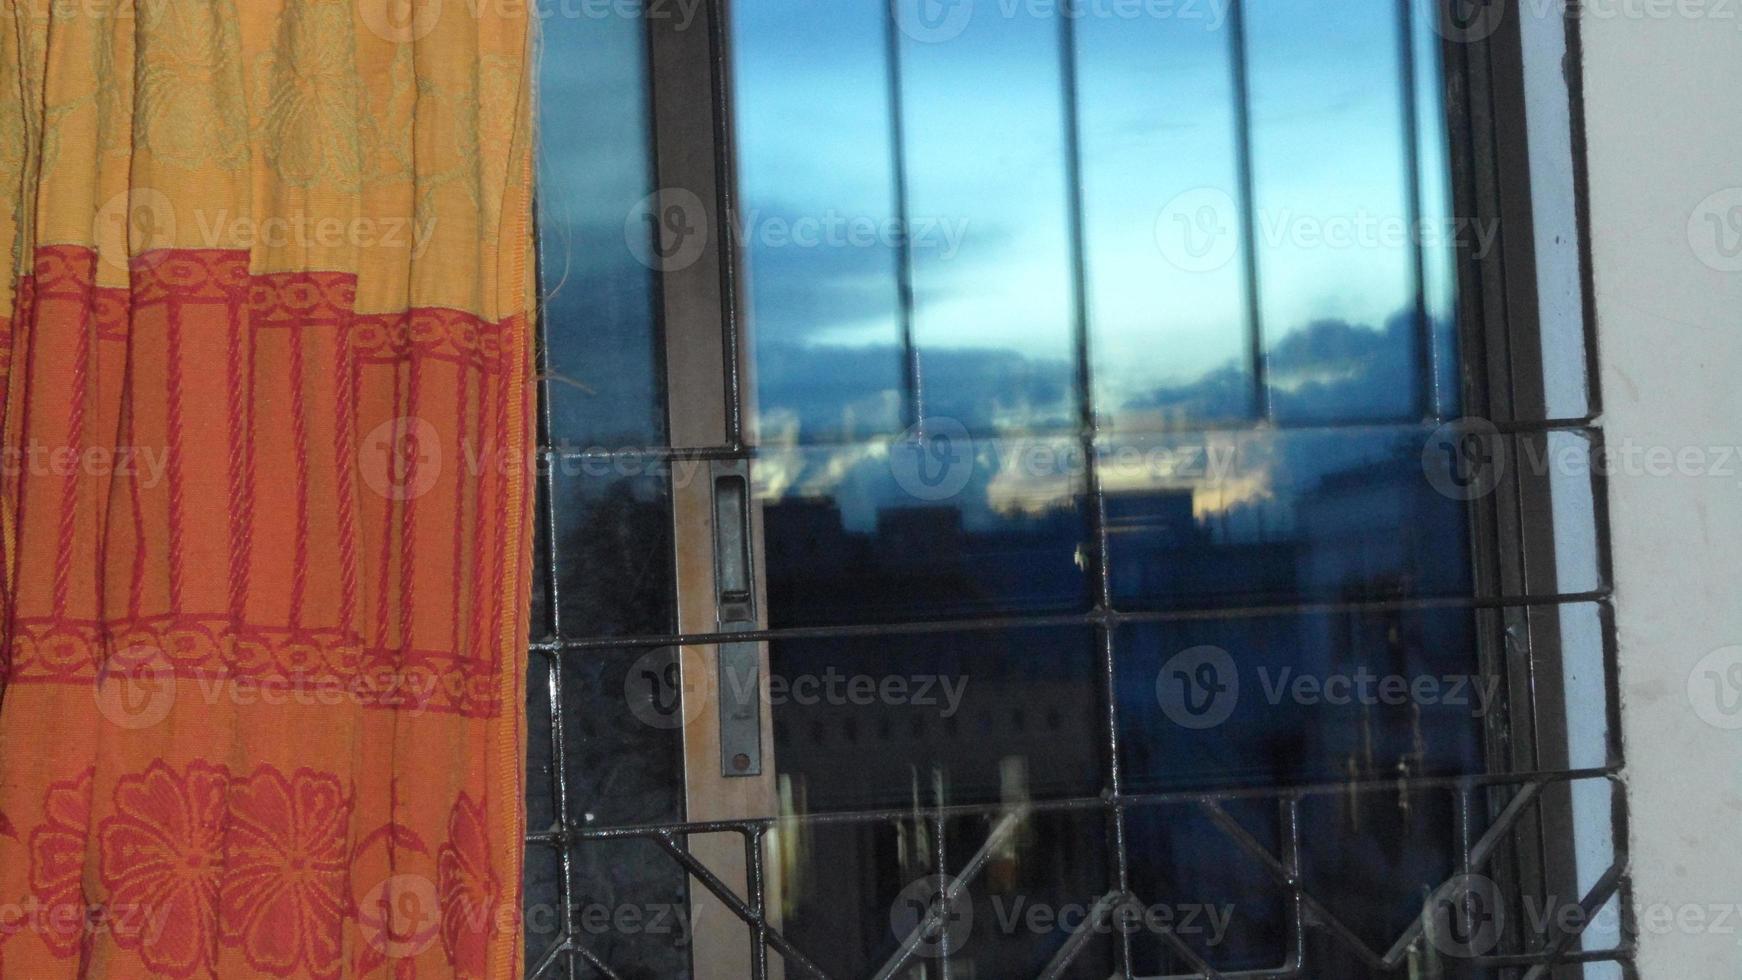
x: 985, y: 160
x: 1293, y: 700
x: 1368, y: 857
x: 1439, y: 249
x: 616, y: 574
x: 540, y: 752
x: 862, y: 161
x: 1241, y: 924
x: 816, y: 191
x: 852, y: 891
x: 1273, y: 517
x: 606, y: 374
x: 964, y: 147
x: 1375, y: 855
x: 543, y: 884
x: 909, y: 530
x: 982, y: 717
x: 1331, y: 173
x: 1167, y: 283
x: 906, y: 234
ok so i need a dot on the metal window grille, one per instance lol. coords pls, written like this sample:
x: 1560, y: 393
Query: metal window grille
x: 1510, y: 822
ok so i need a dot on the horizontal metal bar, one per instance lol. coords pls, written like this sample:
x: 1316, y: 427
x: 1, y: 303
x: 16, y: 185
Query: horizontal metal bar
x: 1414, y: 784
x: 1102, y: 618
x: 559, y: 453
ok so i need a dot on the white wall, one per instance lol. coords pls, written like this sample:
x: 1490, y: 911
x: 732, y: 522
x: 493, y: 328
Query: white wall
x: 1663, y: 100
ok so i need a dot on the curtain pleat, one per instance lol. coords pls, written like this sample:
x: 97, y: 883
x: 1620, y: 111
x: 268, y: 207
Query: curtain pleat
x: 264, y: 413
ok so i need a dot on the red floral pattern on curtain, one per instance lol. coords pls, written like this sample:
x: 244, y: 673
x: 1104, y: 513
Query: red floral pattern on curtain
x: 200, y: 866
x: 264, y: 502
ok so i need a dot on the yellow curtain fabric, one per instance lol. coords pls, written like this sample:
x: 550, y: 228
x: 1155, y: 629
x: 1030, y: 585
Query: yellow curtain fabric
x: 265, y: 416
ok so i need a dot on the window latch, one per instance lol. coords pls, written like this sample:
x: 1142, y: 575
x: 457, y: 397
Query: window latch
x: 740, y: 680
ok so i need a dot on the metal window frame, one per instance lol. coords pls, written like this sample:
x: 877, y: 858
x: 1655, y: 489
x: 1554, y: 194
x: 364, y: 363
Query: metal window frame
x: 1502, y: 374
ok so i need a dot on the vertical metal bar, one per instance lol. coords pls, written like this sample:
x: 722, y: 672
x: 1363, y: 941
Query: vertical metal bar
x: 1078, y: 235
x: 912, y: 376
x: 1427, y: 377
x: 1089, y: 430
x: 1463, y: 817
x: 726, y: 191
x: 758, y: 889
x: 1291, y: 861
x: 941, y: 870
x: 1248, y: 204
x: 546, y: 481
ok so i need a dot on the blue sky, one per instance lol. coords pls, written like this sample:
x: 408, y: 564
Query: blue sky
x: 985, y: 159
x: 985, y: 149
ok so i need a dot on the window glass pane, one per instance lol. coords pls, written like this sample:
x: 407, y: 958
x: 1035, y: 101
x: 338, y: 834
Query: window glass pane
x: 993, y: 307
x: 1167, y: 281
x: 606, y: 373
x: 963, y: 164
x: 1225, y: 907
x: 1272, y: 517
x: 623, y: 767
x: 616, y: 575
x: 1294, y: 700
x: 908, y: 530
x: 816, y: 186
x: 543, y: 903
x: 854, y: 892
x: 978, y: 717
x: 1334, y: 220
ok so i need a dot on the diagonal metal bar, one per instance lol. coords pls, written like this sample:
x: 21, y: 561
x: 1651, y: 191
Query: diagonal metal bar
x: 593, y: 961
x: 1000, y: 832
x: 1079, y: 939
x: 702, y: 873
x: 556, y: 952
x: 1231, y: 827
x: 1594, y: 900
x: 1479, y: 855
x: 1107, y: 905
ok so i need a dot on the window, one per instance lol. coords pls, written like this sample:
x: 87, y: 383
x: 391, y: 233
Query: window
x: 1014, y: 506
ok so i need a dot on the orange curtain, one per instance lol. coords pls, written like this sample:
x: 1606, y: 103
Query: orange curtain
x: 264, y: 359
